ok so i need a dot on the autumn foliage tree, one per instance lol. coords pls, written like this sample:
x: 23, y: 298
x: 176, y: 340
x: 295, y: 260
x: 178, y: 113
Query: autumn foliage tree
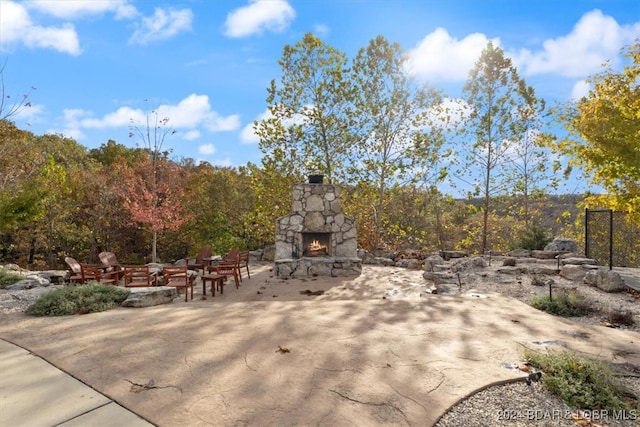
x: 153, y: 194
x: 604, y: 134
x: 154, y: 186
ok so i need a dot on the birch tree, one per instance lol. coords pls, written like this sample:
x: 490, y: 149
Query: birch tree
x: 391, y: 113
x: 498, y: 101
x: 307, y: 129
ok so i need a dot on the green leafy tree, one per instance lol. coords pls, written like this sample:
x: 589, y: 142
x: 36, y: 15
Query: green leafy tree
x: 271, y: 185
x: 604, y: 134
x: 498, y: 100
x: 396, y: 142
x: 20, y: 167
x: 308, y: 128
x: 222, y: 199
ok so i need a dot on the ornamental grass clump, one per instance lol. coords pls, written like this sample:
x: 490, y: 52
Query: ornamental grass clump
x: 564, y: 303
x: 7, y: 278
x: 582, y: 383
x: 90, y: 298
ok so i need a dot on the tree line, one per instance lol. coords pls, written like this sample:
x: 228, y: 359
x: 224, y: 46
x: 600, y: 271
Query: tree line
x: 364, y: 123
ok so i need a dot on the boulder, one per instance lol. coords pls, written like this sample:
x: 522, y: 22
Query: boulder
x: 410, y: 263
x: 432, y: 261
x: 447, y: 255
x: 578, y: 261
x: 575, y: 272
x: 607, y: 281
x: 544, y: 254
x: 466, y: 264
x: 382, y: 261
x: 269, y: 253
x: 147, y: 297
x: 519, y: 253
x: 439, y: 277
x: 30, y: 282
x: 562, y: 244
x: 509, y: 262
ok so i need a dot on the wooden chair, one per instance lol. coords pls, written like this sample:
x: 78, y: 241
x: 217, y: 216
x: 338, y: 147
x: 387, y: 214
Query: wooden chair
x: 93, y: 273
x: 178, y: 277
x: 75, y: 270
x: 110, y: 262
x: 228, y: 268
x: 138, y: 276
x: 233, y: 256
x: 243, y: 262
x: 201, y: 259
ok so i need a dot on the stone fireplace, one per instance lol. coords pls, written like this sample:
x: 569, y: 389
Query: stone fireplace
x: 316, y: 239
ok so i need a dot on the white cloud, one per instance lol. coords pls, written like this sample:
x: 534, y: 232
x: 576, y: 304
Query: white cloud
x: 217, y: 123
x: 73, y: 9
x: 258, y: 16
x: 29, y: 112
x: 207, y: 149
x: 16, y: 27
x: 192, y: 114
x: 225, y: 163
x: 321, y: 30
x: 248, y: 135
x: 594, y: 39
x: 441, y: 57
x: 192, y: 135
x: 163, y: 25
x: 76, y: 134
x: 580, y: 89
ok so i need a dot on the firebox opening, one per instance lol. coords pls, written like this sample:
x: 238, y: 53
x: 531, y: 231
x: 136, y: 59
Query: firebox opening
x: 316, y: 244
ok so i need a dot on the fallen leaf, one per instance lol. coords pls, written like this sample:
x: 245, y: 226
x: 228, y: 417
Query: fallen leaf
x: 282, y: 350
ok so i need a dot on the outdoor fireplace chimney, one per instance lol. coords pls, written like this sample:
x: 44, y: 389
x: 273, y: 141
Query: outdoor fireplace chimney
x: 316, y: 238
x: 316, y: 178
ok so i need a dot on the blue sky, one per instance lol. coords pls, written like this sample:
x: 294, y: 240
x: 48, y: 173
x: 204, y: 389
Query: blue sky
x: 206, y: 65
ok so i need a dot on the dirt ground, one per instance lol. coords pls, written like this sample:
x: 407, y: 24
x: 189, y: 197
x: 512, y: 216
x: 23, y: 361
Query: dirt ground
x: 373, y: 350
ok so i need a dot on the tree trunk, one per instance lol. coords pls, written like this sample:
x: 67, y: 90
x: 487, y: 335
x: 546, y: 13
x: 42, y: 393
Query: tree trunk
x: 154, y: 246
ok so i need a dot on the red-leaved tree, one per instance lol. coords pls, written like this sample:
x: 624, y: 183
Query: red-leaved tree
x: 153, y: 192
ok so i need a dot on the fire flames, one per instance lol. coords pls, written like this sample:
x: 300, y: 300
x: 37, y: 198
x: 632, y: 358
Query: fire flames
x: 316, y: 246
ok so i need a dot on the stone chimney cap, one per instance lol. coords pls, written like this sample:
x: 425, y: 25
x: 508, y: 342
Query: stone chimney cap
x: 316, y: 178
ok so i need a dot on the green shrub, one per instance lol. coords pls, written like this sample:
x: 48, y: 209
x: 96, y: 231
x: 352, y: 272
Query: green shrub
x: 535, y: 237
x: 90, y: 298
x: 564, y: 303
x: 8, y: 278
x: 582, y: 383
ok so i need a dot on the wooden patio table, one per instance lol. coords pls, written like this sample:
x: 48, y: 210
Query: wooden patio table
x: 217, y: 281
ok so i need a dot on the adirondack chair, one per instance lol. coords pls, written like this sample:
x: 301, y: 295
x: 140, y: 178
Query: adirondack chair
x: 110, y: 263
x: 201, y: 260
x: 75, y: 270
